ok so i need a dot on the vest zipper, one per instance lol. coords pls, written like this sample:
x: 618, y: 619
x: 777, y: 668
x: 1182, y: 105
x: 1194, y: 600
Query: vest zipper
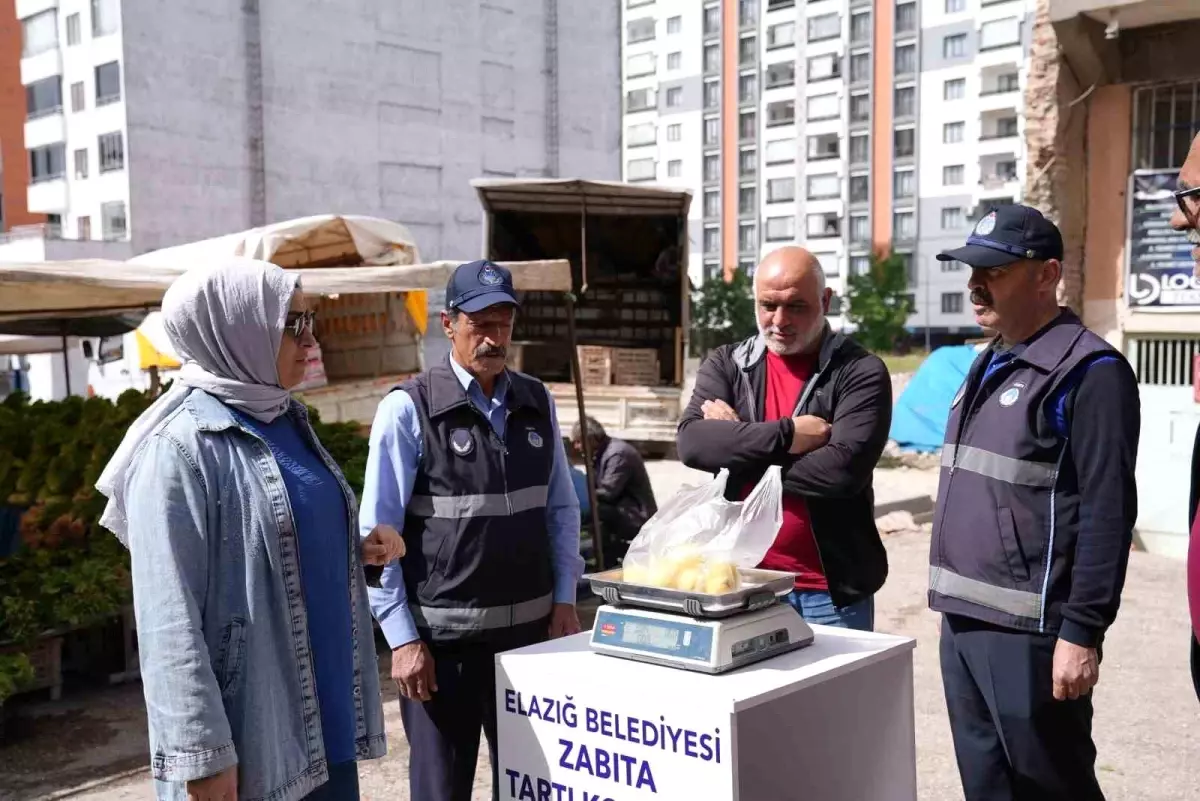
x: 504, y: 463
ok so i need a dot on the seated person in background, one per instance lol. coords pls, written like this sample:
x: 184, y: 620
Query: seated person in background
x: 624, y: 497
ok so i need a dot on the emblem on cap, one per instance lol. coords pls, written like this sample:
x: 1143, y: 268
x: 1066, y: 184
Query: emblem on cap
x: 461, y: 442
x: 986, y: 225
x: 1009, y: 396
x: 490, y: 276
x: 535, y: 439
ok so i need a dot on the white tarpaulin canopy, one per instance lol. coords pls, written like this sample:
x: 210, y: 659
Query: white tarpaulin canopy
x: 12, y: 345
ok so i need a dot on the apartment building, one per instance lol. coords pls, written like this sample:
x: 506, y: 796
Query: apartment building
x: 848, y: 126
x: 147, y: 124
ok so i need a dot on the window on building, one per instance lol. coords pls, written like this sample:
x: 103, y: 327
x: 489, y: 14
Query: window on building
x: 674, y: 97
x: 821, y: 187
x: 823, y: 67
x: 776, y: 5
x: 641, y: 64
x: 712, y: 131
x: 78, y: 96
x: 747, y: 124
x: 954, y: 46
x: 105, y: 15
x: 747, y: 50
x: 112, y: 152
x: 39, y: 33
x: 639, y: 30
x: 674, y: 132
x: 860, y: 265
x: 747, y: 199
x: 952, y: 175
x: 904, y: 184
x: 747, y: 161
x: 748, y: 11
x: 781, y: 151
x: 1000, y: 33
x: 781, y: 112
x: 952, y: 218
x: 1006, y: 170
x: 748, y: 88
x: 712, y: 58
x: 712, y: 203
x: 641, y: 134
x: 860, y: 108
x: 906, y: 18
x: 955, y: 6
x: 906, y: 101
x: 952, y: 266
x: 747, y: 236
x: 1009, y: 82
x: 782, y: 73
x: 674, y: 61
x: 639, y: 99
x: 712, y: 240
x: 81, y: 164
x: 952, y: 302
x: 712, y: 94
x: 84, y: 228
x: 824, y: 146
x: 906, y: 59
x: 712, y: 167
x: 637, y: 3
x: 640, y: 170
x: 904, y: 226
x: 952, y: 132
x: 74, y: 33
x: 954, y: 89
x: 47, y: 163
x: 860, y: 228
x: 819, y: 226
x: 910, y: 303
x: 781, y: 190
x: 860, y: 27
x: 43, y: 97
x: 860, y: 67
x: 782, y: 34
x: 780, y: 228
x: 674, y: 168
x: 712, y: 20
x: 674, y: 25
x: 1007, y: 126
x: 860, y: 188
x: 108, y: 83
x: 824, y: 26
x: 904, y: 142
x: 860, y: 149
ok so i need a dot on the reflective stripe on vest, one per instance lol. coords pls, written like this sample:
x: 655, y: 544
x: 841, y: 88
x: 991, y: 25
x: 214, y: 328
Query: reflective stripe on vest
x: 1004, y: 599
x: 480, y: 618
x: 1001, y: 468
x: 495, y: 505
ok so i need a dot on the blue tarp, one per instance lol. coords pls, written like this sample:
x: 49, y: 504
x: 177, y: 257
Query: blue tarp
x: 919, y: 415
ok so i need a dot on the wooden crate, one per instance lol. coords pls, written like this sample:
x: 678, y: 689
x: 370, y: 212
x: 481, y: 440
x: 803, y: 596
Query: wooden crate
x: 635, y: 367
x: 46, y: 659
x: 595, y: 365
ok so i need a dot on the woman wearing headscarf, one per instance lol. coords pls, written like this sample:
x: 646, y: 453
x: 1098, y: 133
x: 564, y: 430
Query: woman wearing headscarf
x: 255, y: 637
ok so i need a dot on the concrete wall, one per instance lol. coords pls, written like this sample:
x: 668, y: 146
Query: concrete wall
x: 1108, y: 167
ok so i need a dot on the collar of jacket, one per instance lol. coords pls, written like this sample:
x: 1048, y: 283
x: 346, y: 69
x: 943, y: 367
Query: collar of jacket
x: 748, y: 353
x: 446, y: 392
x: 1046, y: 349
x: 214, y: 416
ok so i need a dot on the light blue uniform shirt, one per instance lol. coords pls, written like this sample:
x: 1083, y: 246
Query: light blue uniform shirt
x: 392, y: 467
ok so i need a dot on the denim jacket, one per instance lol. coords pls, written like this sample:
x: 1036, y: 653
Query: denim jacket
x: 221, y: 622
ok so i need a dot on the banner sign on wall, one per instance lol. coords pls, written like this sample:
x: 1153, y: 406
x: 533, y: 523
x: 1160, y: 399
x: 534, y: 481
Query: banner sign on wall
x: 1160, y: 258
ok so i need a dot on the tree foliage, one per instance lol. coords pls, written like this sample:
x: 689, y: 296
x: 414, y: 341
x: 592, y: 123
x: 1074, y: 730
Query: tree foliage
x: 877, y: 303
x: 722, y: 312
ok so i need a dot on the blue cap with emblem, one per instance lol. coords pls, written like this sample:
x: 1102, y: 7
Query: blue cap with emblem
x: 1007, y: 234
x: 476, y: 285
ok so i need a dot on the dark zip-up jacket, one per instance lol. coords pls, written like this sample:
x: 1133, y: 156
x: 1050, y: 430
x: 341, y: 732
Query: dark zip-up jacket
x: 851, y: 389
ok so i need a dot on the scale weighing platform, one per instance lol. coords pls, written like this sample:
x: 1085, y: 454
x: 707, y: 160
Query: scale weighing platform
x: 697, y: 632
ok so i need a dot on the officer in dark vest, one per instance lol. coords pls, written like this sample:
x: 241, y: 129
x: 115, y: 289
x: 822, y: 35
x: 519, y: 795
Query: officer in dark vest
x: 467, y: 461
x: 1034, y: 522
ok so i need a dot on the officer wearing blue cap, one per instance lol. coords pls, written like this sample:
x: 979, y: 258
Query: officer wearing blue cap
x: 1034, y: 521
x: 467, y: 460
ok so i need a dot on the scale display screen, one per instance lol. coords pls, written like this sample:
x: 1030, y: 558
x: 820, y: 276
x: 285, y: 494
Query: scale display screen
x: 647, y: 634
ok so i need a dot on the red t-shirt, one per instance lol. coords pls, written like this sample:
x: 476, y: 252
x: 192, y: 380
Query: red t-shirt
x: 794, y: 550
x: 1193, y: 575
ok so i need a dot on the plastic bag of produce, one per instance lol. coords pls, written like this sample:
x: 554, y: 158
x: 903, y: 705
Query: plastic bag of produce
x: 697, y: 540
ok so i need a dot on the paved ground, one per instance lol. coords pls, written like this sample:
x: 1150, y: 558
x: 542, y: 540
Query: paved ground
x: 1147, y: 720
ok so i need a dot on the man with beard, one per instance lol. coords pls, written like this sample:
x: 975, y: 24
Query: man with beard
x: 467, y: 460
x: 816, y: 403
x: 1034, y: 521
x: 1187, y: 218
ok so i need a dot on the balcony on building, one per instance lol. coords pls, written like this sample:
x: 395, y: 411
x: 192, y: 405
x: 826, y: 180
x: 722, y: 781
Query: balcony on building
x: 999, y: 133
x: 999, y: 176
x: 1000, y: 87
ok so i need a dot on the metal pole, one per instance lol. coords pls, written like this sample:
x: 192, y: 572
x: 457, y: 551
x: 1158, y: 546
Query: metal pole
x: 597, y: 538
x: 928, y: 309
x: 66, y: 364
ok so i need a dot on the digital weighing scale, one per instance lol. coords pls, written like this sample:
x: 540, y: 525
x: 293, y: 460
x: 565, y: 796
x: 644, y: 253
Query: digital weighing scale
x: 694, y: 631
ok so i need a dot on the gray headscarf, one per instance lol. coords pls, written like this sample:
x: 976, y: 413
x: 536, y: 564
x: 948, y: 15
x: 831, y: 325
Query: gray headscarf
x: 225, y: 321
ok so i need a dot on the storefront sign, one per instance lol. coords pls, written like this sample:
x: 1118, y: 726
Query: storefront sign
x: 1160, y: 258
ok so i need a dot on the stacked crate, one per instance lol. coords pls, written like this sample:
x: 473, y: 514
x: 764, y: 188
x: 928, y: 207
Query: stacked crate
x: 365, y: 335
x: 595, y: 365
x: 635, y: 367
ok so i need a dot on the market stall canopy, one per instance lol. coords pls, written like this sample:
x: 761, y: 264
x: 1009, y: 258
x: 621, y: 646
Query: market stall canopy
x: 573, y: 196
x: 11, y: 345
